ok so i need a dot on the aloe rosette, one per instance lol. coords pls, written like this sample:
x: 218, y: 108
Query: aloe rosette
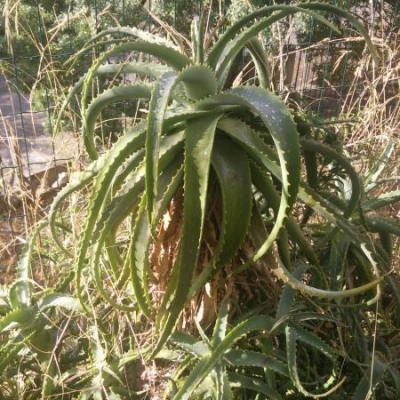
x: 193, y: 141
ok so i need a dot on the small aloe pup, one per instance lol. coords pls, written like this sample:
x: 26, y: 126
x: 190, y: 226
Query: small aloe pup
x: 176, y: 203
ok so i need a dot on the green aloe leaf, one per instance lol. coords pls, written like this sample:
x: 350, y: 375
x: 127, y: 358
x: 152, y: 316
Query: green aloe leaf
x: 113, y: 95
x: 197, y: 36
x: 206, y: 364
x: 160, y: 99
x: 138, y: 256
x: 19, y: 317
x: 231, y: 49
x: 383, y: 200
x: 353, y: 198
x: 231, y: 165
x: 107, y: 165
x: 260, y: 60
x: 292, y: 335
x: 198, y: 148
x: 157, y: 48
x: 335, y: 217
x: 21, y: 290
x: 337, y: 259
x: 281, y: 127
x: 148, y: 69
x: 59, y: 300
x: 221, y: 324
x: 264, y: 183
x: 240, y: 381
x: 248, y: 358
x: 288, y: 295
x: 260, y: 152
x: 169, y: 183
x: 101, y: 189
x: 134, y: 33
x: 9, y: 352
x: 372, y: 175
x: 199, y: 82
x: 229, y: 45
x: 385, y: 227
x: 130, y: 195
x: 190, y: 344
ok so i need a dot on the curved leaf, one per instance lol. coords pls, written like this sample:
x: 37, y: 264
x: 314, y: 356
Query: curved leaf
x: 122, y: 206
x: 109, y: 96
x: 356, y: 189
x: 253, y: 384
x: 261, y: 62
x: 102, y: 185
x: 248, y: 358
x: 263, y: 182
x: 231, y: 165
x: 199, y: 82
x: 281, y: 127
x: 156, y: 48
x: 222, y: 60
x: 383, y: 200
x: 138, y: 256
x: 208, y: 362
x: 160, y: 98
x: 291, y: 348
x: 199, y: 136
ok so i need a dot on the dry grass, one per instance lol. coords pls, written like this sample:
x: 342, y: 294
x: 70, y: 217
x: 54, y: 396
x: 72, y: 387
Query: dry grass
x: 374, y: 97
x: 28, y: 184
x: 377, y: 109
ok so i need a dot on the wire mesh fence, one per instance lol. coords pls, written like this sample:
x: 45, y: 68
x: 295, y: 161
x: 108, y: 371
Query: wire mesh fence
x: 321, y: 65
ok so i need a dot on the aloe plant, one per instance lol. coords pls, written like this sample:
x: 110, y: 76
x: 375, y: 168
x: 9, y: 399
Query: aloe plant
x: 26, y: 328
x: 200, y: 195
